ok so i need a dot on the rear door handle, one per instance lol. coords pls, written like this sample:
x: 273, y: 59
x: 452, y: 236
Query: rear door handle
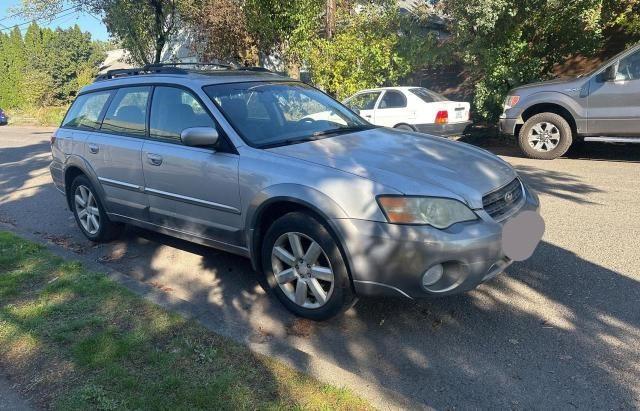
x: 93, y: 148
x: 154, y: 159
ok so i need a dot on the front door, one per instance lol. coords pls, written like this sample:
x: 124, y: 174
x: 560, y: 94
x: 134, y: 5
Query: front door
x: 365, y: 103
x: 614, y: 106
x: 193, y: 190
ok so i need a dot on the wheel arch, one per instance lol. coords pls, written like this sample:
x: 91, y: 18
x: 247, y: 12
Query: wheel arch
x: 268, y: 211
x: 554, y: 108
x: 74, y: 167
x: 405, y: 124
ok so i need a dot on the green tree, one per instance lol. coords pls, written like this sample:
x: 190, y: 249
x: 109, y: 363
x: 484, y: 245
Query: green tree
x: 503, y: 43
x: 143, y: 27
x: 364, y: 52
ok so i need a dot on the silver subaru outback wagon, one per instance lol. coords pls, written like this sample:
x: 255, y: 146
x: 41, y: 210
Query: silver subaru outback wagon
x: 326, y: 205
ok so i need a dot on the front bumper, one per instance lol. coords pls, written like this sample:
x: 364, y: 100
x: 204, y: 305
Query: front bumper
x: 507, y: 125
x: 387, y: 259
x: 445, y: 130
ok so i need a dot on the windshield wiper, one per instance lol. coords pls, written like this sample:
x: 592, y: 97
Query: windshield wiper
x: 318, y: 135
x: 288, y: 141
x: 341, y: 130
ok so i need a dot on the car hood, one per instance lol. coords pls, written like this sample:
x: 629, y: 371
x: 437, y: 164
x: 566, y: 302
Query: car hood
x: 551, y: 85
x: 411, y: 163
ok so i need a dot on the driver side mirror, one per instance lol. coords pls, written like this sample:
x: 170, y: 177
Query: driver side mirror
x: 199, y: 136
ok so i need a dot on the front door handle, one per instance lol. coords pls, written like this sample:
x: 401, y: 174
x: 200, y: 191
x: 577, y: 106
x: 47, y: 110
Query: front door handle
x: 154, y: 159
x: 367, y: 116
x: 93, y: 148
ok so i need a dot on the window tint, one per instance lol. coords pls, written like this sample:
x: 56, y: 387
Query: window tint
x: 629, y: 67
x: 173, y: 110
x: 428, y: 96
x: 393, y: 99
x: 364, y: 101
x: 85, y: 111
x: 127, y: 112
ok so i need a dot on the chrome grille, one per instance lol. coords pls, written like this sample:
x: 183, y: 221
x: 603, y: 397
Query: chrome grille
x: 504, y: 201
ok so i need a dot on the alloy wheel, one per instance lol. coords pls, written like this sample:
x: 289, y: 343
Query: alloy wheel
x: 87, y: 209
x: 544, y: 137
x: 302, y: 270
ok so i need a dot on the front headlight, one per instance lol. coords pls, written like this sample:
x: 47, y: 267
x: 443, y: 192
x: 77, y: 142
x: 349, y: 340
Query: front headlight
x: 434, y: 211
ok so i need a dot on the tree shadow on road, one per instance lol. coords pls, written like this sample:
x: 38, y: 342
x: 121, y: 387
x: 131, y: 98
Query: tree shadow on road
x: 557, y: 331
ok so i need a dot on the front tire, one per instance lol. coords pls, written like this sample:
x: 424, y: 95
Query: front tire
x: 545, y: 136
x: 305, y: 268
x: 90, y: 214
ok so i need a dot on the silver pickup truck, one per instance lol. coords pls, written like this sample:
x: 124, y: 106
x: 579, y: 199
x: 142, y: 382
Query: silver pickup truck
x: 603, y: 105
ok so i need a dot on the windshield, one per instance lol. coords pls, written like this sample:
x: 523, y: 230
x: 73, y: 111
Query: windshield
x: 269, y: 114
x: 428, y: 96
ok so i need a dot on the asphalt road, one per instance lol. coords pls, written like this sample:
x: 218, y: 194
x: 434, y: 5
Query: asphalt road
x: 561, y: 330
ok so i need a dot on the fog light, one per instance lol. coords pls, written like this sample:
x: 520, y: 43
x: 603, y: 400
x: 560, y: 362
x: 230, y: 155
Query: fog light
x: 432, y: 275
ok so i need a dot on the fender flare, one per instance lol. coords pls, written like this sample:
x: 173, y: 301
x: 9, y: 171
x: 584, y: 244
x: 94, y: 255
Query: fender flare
x: 299, y: 194
x: 75, y: 161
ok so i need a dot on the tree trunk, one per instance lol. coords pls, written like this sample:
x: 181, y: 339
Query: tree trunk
x: 330, y: 19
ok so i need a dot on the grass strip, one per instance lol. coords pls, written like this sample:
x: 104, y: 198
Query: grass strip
x: 74, y: 339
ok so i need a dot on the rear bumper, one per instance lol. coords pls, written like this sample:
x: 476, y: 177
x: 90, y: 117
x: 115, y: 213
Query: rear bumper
x: 57, y: 175
x: 445, y: 130
x: 389, y: 260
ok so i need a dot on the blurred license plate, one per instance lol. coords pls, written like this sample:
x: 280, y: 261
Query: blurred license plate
x: 521, y: 235
x: 459, y: 113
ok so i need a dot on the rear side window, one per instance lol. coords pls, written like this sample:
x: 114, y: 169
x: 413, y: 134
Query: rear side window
x: 173, y: 110
x: 364, y: 101
x: 127, y: 112
x: 428, y: 96
x: 86, y: 110
x: 393, y: 99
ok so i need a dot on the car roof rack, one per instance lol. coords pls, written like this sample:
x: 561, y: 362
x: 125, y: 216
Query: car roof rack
x: 176, y: 68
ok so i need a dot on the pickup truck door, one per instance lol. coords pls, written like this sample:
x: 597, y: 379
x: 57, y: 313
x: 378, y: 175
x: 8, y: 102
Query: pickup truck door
x: 614, y: 106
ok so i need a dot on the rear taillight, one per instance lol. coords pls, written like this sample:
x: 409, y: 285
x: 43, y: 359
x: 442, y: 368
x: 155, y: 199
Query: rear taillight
x: 442, y: 117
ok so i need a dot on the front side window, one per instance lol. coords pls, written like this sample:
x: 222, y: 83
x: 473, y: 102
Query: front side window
x: 276, y: 113
x: 393, y: 99
x: 629, y: 67
x: 85, y: 111
x: 127, y: 112
x: 174, y: 110
x: 363, y: 101
x: 428, y: 96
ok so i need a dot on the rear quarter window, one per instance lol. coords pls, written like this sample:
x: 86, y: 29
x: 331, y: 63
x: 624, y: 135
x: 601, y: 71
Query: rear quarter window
x: 85, y: 112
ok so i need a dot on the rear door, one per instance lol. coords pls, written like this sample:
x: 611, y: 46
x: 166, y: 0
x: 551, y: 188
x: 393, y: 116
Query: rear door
x: 193, y: 190
x: 614, y: 106
x: 392, y: 109
x: 114, y: 152
x: 365, y: 103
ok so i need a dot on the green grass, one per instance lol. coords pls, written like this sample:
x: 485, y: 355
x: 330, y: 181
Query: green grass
x: 37, y: 116
x: 77, y: 340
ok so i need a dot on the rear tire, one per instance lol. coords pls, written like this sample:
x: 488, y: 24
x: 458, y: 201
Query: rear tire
x: 405, y: 127
x: 305, y: 268
x: 89, y: 213
x: 545, y: 136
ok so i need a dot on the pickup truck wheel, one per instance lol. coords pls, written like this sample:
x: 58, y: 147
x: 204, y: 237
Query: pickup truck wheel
x: 545, y: 136
x: 305, y: 268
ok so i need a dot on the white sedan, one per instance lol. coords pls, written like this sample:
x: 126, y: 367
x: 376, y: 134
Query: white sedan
x: 411, y: 108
